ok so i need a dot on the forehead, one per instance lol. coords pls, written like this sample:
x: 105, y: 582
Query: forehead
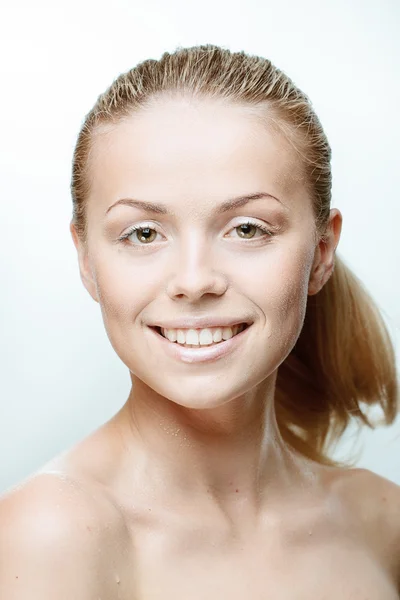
x: 195, y: 148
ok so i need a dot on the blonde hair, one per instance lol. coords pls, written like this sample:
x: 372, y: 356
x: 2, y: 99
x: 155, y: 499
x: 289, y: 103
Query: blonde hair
x: 344, y: 356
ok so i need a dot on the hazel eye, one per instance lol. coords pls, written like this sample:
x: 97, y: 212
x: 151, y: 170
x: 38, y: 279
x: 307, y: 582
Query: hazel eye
x: 145, y: 235
x: 248, y: 230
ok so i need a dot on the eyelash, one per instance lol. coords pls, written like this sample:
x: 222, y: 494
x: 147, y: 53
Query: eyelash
x: 124, y: 238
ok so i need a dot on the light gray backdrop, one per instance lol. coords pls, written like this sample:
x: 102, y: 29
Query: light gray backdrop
x: 60, y: 378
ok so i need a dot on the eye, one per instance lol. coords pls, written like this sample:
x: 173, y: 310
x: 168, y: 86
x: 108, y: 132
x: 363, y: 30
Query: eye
x: 248, y: 230
x: 145, y: 235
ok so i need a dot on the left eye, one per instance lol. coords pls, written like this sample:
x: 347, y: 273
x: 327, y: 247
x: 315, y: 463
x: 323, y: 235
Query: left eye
x: 249, y: 229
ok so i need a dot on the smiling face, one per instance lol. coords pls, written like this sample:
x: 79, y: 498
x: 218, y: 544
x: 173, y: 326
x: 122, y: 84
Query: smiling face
x: 193, y: 258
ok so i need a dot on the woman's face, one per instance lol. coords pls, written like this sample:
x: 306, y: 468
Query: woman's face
x: 190, y: 157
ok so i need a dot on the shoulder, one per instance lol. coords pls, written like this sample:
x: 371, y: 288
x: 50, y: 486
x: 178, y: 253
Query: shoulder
x: 51, y: 527
x: 373, y: 504
x: 369, y: 493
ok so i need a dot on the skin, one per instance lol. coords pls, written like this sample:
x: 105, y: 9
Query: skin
x: 189, y: 491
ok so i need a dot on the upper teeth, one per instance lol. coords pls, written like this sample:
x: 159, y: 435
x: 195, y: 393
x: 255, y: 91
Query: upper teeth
x: 202, y: 337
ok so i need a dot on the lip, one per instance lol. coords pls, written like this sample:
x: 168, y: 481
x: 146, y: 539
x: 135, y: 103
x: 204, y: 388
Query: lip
x: 205, y: 354
x: 200, y: 322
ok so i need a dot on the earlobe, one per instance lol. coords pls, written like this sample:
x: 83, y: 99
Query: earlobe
x: 84, y: 266
x: 316, y: 280
x: 319, y: 278
x: 324, y: 260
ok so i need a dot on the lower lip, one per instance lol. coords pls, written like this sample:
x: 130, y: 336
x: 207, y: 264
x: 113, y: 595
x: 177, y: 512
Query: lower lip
x: 202, y: 354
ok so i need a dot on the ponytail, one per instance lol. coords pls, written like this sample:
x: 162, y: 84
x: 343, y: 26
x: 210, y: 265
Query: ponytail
x: 344, y: 358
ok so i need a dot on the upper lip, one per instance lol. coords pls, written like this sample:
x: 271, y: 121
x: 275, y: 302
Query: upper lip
x: 200, y: 322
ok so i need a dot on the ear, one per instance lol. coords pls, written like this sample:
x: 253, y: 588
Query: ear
x: 324, y: 259
x: 84, y: 265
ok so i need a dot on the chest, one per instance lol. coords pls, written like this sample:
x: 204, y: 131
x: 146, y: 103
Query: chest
x: 328, y: 571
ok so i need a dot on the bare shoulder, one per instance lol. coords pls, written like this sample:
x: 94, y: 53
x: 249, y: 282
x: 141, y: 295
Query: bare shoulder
x: 370, y: 494
x: 51, y: 529
x: 373, y: 503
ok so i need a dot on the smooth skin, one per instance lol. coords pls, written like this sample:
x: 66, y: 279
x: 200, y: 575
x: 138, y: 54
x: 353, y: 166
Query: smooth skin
x: 189, y: 491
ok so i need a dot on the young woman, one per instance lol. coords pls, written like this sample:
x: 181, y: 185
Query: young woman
x: 201, y: 189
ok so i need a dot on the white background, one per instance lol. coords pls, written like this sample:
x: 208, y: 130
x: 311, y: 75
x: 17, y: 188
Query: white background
x: 59, y: 376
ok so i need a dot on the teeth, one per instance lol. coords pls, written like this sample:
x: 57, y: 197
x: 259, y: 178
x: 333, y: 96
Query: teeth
x: 201, y: 337
x: 180, y: 336
x: 228, y: 332
x: 217, y: 335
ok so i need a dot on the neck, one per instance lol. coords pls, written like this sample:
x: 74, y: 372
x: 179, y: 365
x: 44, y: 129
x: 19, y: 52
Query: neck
x: 232, y: 455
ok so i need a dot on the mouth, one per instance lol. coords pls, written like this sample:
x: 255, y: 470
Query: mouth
x: 218, y: 337
x: 204, y: 353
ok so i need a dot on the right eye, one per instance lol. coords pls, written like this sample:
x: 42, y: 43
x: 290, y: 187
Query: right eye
x: 146, y: 235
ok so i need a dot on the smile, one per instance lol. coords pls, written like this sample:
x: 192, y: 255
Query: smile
x: 201, y: 352
x: 201, y: 337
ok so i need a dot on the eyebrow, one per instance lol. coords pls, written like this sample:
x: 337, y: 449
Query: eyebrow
x: 160, y: 209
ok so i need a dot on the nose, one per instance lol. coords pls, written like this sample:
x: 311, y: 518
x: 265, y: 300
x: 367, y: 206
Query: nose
x: 195, y: 273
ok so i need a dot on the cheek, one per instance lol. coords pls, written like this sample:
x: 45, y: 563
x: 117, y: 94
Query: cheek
x: 281, y: 293
x: 123, y: 291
